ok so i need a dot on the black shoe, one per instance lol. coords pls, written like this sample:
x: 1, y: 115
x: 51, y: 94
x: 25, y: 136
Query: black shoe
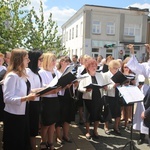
x: 140, y: 141
x: 66, y: 140
x: 43, y: 146
x: 117, y: 131
x: 81, y: 122
x: 95, y: 136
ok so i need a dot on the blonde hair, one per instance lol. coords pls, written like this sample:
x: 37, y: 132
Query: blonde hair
x: 48, y: 58
x: 109, y: 58
x: 114, y: 63
x: 1, y: 55
x: 85, y: 58
x: 16, y: 62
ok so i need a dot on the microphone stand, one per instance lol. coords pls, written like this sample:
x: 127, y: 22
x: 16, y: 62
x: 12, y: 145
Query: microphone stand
x: 131, y: 143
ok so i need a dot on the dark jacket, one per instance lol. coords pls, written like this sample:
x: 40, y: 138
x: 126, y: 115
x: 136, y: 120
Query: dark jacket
x: 147, y: 108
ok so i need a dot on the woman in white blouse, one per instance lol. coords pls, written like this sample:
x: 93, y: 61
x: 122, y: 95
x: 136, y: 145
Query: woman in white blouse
x: 16, y: 91
x: 36, y: 59
x: 92, y: 97
x: 113, y: 96
x: 67, y: 110
x: 50, y: 102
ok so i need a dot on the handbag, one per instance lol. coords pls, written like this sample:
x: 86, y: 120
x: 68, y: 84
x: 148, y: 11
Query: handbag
x: 105, y: 114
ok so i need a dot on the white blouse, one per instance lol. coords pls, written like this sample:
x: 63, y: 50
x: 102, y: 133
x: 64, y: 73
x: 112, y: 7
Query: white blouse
x: 34, y: 81
x: 14, y: 88
x: 47, y: 78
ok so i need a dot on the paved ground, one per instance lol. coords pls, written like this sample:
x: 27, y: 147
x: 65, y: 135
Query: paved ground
x: 105, y: 142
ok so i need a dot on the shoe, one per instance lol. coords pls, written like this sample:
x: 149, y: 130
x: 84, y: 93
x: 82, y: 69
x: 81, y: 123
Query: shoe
x: 96, y: 136
x: 117, y: 131
x: 110, y: 121
x: 66, y: 139
x: 43, y: 146
x: 88, y: 136
x: 140, y: 141
x: 107, y: 132
x: 127, y: 128
x: 59, y: 141
x: 50, y: 146
x: 122, y: 119
x: 81, y: 122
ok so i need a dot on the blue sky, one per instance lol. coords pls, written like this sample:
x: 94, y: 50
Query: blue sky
x: 77, y: 4
x: 62, y: 10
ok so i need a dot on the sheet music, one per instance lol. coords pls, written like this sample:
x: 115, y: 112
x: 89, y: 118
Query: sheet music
x: 69, y: 68
x: 131, y: 94
x: 53, y: 82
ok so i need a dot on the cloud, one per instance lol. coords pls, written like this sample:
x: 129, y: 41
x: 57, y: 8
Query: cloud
x: 141, y: 6
x: 59, y: 15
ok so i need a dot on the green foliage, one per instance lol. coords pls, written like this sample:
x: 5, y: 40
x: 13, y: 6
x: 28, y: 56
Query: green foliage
x: 27, y: 29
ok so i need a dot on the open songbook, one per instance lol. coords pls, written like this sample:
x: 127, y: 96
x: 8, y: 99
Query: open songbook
x: 61, y: 82
x: 47, y: 89
x: 131, y: 94
x: 92, y: 86
x: 119, y: 77
x: 68, y: 69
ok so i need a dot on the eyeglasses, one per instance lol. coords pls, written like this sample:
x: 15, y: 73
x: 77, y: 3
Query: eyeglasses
x: 125, y: 67
x: 115, y: 68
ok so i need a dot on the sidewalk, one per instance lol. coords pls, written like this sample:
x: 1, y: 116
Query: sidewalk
x: 105, y: 142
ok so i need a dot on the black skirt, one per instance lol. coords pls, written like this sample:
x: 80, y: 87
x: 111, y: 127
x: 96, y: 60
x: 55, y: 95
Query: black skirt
x: 67, y: 109
x: 115, y: 107
x: 50, y: 110
x: 34, y: 114
x: 16, y: 132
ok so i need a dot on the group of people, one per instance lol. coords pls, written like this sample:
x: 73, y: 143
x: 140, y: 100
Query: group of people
x: 26, y: 111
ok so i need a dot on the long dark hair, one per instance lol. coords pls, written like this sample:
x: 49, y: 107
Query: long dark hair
x: 34, y: 56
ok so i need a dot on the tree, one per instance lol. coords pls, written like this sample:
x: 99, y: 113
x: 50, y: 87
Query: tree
x: 12, y: 24
x: 43, y: 35
x: 23, y: 28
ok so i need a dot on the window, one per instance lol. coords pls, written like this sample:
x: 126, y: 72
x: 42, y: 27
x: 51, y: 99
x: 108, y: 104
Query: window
x: 72, y: 33
x: 137, y: 33
x: 129, y: 30
x: 95, y: 50
x: 96, y: 27
x: 81, y: 29
x: 110, y: 28
x: 66, y: 36
x: 76, y: 30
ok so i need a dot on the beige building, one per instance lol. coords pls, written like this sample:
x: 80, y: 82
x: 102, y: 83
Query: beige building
x: 148, y: 30
x: 98, y: 30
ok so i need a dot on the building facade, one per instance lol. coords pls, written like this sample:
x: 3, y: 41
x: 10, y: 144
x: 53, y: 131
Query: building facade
x: 97, y: 30
x: 148, y: 30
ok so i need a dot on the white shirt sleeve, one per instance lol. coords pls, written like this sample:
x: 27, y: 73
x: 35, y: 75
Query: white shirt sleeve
x: 138, y: 68
x: 10, y: 90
